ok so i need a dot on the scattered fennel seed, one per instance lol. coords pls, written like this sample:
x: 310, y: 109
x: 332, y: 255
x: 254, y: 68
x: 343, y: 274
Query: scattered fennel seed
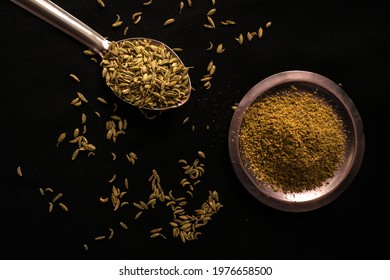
x: 137, y: 19
x: 211, y: 63
x: 111, y: 233
x: 155, y: 230
x: 75, y: 153
x: 240, y: 39
x: 210, y: 47
x: 83, y: 118
x: 112, y: 178
x: 135, y: 15
x: 260, y: 32
x: 138, y: 215
x: 148, y: 3
x: 118, y: 21
x: 201, y: 154
x: 211, y: 12
x: 89, y: 52
x: 211, y: 21
x: 123, y: 225
x: 249, y: 36
x: 82, y: 97
x: 154, y: 235
x: 101, y: 100
x: 63, y: 206
x: 220, y: 49
x: 169, y: 21
x: 50, y: 207
x: 19, y: 171
x: 74, y: 77
x: 58, y: 196
x: 61, y: 138
x: 126, y: 183
x: 101, y: 3
x: 74, y: 101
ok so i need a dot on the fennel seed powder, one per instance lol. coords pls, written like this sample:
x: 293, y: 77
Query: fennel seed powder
x: 292, y: 140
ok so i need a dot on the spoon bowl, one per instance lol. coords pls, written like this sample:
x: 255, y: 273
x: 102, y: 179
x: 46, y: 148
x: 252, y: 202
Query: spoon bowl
x: 187, y: 88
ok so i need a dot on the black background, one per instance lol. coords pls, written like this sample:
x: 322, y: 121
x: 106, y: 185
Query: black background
x: 346, y: 41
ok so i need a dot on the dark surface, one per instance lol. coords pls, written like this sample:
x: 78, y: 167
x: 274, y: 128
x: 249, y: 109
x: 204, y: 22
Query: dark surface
x: 346, y: 41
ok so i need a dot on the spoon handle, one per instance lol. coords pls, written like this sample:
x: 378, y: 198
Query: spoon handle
x: 64, y: 21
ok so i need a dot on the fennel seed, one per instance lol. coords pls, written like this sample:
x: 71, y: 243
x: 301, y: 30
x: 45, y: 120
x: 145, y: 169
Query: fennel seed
x: 82, y: 97
x: 260, y: 32
x: 155, y: 230
x: 123, y: 225
x: 58, y: 196
x: 135, y: 15
x: 220, y: 49
x: 137, y: 19
x: 19, y: 171
x: 211, y: 12
x: 63, y: 206
x: 210, y: 47
x: 101, y: 3
x: 50, y: 207
x: 148, y: 3
x: 169, y: 21
x: 201, y: 154
x: 117, y: 22
x: 74, y: 77
x: 138, y: 215
x: 101, y: 100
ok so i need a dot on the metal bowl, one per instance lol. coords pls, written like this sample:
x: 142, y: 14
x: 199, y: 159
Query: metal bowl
x: 334, y: 186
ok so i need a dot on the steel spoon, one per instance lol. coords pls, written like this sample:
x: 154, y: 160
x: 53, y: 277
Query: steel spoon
x: 56, y: 16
